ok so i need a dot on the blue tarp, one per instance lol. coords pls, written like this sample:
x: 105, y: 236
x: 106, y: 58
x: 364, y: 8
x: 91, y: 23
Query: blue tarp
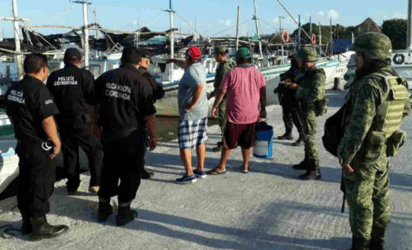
x: 341, y: 45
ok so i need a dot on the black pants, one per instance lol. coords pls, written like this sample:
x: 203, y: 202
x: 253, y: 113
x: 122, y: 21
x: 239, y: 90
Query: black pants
x: 73, y: 137
x: 36, y: 179
x: 290, y: 115
x: 123, y: 160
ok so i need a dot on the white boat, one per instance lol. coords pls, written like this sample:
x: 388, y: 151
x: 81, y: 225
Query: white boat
x: 9, y: 161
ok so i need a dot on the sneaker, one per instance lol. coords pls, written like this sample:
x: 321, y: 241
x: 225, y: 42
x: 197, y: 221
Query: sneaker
x: 199, y: 174
x: 186, y: 179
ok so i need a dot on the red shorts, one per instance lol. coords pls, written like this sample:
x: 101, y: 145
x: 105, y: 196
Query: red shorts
x: 242, y: 135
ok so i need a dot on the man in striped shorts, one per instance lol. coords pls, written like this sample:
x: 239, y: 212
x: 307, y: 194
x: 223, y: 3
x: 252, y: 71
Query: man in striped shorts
x: 193, y: 108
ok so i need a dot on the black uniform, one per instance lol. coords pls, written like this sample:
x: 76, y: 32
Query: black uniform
x: 125, y: 98
x: 28, y: 103
x: 73, y: 91
x: 288, y: 101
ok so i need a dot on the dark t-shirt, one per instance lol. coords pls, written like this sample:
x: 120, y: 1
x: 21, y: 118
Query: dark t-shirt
x: 125, y: 98
x: 73, y: 91
x: 29, y: 102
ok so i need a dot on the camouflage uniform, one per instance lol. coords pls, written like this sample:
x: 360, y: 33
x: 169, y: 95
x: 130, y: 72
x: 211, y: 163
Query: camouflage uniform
x: 221, y: 71
x: 311, y: 89
x: 377, y: 107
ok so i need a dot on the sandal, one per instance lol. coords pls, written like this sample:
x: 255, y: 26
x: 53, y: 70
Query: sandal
x: 245, y: 171
x: 215, y: 171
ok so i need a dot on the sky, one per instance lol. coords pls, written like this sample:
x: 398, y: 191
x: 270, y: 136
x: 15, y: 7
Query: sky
x: 206, y: 17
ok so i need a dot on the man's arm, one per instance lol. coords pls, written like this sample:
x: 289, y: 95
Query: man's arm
x: 151, y: 124
x: 314, y: 90
x: 361, y: 118
x: 263, y: 102
x: 180, y: 63
x: 218, y: 100
x: 49, y: 126
x: 195, y: 97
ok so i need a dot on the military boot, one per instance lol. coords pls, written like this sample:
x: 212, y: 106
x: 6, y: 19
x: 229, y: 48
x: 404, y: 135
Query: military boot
x: 125, y: 215
x: 312, y: 172
x: 299, y: 141
x: 302, y: 165
x: 105, y: 210
x: 26, y: 226
x: 378, y: 239
x: 359, y: 244
x: 286, y: 136
x: 43, y: 230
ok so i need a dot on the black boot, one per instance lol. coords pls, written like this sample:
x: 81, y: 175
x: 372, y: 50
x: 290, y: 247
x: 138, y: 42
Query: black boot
x: 286, y: 136
x: 301, y: 166
x: 43, y: 230
x: 125, y: 215
x: 312, y: 172
x: 105, y: 210
x: 26, y: 226
x: 378, y: 239
x: 299, y: 141
x: 146, y: 174
x: 359, y: 244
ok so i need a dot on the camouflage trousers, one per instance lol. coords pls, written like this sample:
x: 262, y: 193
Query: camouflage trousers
x: 310, y: 125
x: 221, y: 116
x: 367, y: 194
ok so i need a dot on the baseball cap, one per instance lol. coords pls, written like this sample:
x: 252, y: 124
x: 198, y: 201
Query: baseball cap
x: 72, y: 54
x: 194, y: 52
x: 243, y: 53
x: 221, y: 49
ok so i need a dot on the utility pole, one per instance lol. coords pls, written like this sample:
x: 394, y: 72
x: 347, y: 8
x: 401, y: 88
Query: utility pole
x: 299, y: 33
x: 310, y: 25
x: 18, y: 58
x: 86, y: 48
x: 320, y: 34
x: 280, y: 24
x: 237, y: 28
x: 257, y: 28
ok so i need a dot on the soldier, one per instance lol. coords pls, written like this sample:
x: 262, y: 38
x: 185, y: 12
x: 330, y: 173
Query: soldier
x: 378, y: 101
x: 311, y: 89
x: 288, y: 101
x: 221, y: 70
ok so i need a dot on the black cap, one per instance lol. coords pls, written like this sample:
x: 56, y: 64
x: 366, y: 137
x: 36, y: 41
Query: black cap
x: 72, y: 54
x: 133, y: 55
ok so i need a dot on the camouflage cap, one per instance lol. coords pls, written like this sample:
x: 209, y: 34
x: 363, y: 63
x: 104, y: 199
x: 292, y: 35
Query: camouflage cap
x: 221, y: 49
x: 374, y: 45
x: 307, y: 54
x: 243, y: 53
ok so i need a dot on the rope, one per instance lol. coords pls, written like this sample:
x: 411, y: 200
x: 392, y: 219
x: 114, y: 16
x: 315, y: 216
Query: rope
x: 6, y: 232
x: 187, y: 23
x: 230, y: 28
x: 161, y: 15
x: 268, y: 24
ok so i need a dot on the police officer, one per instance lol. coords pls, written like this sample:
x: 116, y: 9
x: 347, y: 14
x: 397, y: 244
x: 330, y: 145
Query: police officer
x: 223, y: 67
x: 289, y: 105
x: 158, y: 92
x: 126, y: 109
x: 378, y: 101
x: 31, y: 108
x: 311, y: 89
x: 73, y: 92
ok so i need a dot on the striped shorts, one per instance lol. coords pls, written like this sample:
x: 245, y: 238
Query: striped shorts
x: 192, y: 133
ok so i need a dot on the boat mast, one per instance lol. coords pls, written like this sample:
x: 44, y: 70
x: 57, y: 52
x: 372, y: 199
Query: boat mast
x: 172, y: 39
x: 409, y: 33
x: 18, y: 58
x: 85, y: 33
x: 237, y: 28
x: 331, y: 38
x: 257, y: 28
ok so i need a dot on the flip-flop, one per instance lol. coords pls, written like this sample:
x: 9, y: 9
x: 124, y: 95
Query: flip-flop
x: 215, y: 172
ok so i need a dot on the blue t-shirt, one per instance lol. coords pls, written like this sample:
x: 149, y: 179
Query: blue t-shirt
x: 193, y: 76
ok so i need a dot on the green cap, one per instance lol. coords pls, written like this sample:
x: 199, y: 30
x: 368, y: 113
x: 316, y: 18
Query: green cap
x: 243, y: 53
x: 307, y: 54
x: 221, y: 49
x: 374, y: 45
